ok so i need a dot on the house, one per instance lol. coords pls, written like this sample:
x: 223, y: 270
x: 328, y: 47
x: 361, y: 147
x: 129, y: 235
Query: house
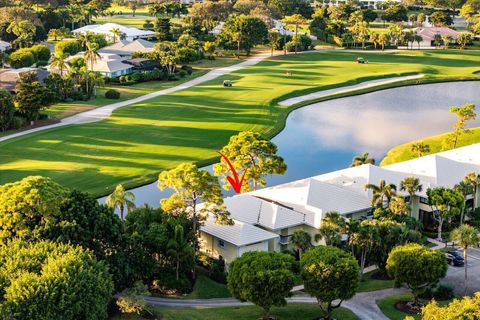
x: 4, y: 46
x: 9, y: 77
x: 108, y: 64
x: 374, y: 4
x: 428, y: 35
x: 130, y: 33
x: 144, y: 64
x: 126, y: 49
x: 303, y: 204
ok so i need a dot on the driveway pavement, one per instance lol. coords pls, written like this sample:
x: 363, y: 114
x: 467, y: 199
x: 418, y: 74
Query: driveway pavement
x: 455, y: 275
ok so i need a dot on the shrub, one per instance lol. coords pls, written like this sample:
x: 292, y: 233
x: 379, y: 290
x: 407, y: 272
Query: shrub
x: 186, y: 55
x: 112, y: 94
x: 182, y: 73
x: 137, y: 77
x: 41, y: 52
x: 187, y: 68
x: 22, y: 58
x: 18, y: 122
x: 168, y: 284
x: 46, y: 280
x: 70, y: 47
x: 42, y: 63
x: 148, y: 25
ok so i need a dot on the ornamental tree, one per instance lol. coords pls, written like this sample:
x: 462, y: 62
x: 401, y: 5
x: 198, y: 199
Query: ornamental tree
x: 263, y: 278
x: 445, y: 203
x: 329, y: 274
x: 243, y: 31
x: 7, y: 110
x: 28, y: 206
x: 192, y: 186
x: 459, y: 309
x: 464, y: 113
x: 256, y: 156
x: 45, y: 280
x: 416, y: 267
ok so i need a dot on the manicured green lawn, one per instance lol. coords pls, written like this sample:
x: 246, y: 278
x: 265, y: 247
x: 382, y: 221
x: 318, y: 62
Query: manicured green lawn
x: 139, y: 141
x: 293, y: 311
x: 370, y: 284
x: 404, y: 152
x: 65, y: 109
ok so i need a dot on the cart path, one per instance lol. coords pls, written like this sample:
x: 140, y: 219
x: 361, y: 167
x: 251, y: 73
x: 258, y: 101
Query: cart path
x: 362, y: 85
x: 363, y: 304
x: 105, y: 111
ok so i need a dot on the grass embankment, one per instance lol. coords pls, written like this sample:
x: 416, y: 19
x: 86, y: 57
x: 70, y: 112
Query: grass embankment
x: 404, y: 152
x: 293, y: 311
x: 137, y: 142
x: 206, y: 288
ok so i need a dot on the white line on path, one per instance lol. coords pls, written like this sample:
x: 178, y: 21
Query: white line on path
x: 363, y: 85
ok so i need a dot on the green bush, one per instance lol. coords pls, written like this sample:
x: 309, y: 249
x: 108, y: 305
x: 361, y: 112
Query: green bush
x: 18, y: 122
x: 186, y: 55
x: 137, y: 76
x: 41, y: 52
x: 22, y: 58
x: 42, y: 63
x: 70, y: 47
x: 167, y: 283
x: 182, y: 73
x: 45, y: 280
x: 112, y: 94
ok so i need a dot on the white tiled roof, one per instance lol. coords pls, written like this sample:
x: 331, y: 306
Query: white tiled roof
x: 107, y: 62
x: 307, y: 201
x: 107, y: 28
x: 123, y: 46
x: 239, y: 234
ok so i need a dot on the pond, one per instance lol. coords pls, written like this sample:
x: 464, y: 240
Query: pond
x: 325, y: 136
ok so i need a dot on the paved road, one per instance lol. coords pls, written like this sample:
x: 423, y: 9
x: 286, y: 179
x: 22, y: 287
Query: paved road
x: 363, y: 85
x: 362, y: 304
x: 455, y: 275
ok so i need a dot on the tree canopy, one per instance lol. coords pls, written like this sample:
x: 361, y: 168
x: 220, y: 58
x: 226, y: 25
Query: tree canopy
x: 416, y: 267
x: 329, y: 274
x: 263, y: 278
x: 46, y: 281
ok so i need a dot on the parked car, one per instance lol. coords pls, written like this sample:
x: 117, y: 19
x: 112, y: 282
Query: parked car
x: 454, y: 258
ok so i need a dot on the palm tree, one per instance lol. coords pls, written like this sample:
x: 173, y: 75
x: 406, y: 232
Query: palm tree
x: 59, y: 62
x: 465, y: 189
x: 420, y: 148
x: 473, y: 179
x: 447, y: 39
x: 121, y: 199
x: 302, y: 241
x: 465, y: 236
x: 332, y: 228
x: 179, y: 248
x: 116, y: 32
x: 382, y: 194
x: 91, y: 56
x: 411, y: 185
x: 362, y: 159
x: 84, y: 39
x: 296, y: 20
x: 437, y: 39
x: 364, y: 239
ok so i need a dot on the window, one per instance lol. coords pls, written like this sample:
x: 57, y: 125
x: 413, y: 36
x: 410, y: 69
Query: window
x: 221, y: 243
x: 423, y: 200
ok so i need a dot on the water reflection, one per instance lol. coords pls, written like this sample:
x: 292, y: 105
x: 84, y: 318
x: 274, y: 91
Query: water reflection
x: 325, y: 136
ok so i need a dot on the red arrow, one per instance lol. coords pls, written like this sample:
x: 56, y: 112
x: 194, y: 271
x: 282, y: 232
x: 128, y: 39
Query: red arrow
x: 234, y: 182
